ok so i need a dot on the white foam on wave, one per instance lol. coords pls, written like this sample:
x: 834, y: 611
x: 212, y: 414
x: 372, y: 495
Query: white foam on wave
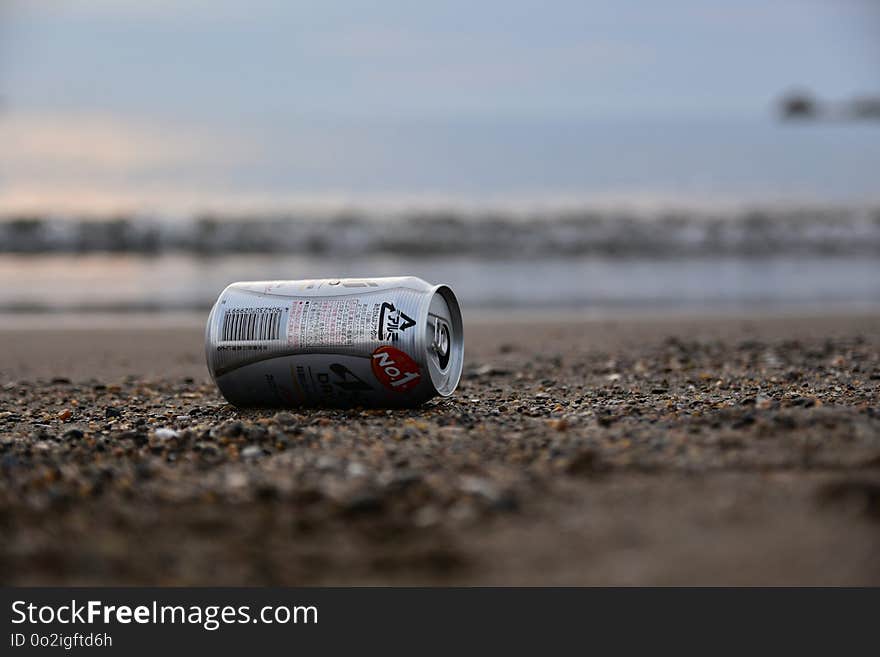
x: 481, y: 230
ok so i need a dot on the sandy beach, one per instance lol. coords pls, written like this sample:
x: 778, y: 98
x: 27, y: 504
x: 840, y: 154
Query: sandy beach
x: 643, y: 450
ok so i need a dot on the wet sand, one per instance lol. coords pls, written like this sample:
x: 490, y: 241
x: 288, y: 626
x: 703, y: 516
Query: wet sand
x: 636, y: 451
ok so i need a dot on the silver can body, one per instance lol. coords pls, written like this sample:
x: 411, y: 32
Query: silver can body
x: 375, y: 342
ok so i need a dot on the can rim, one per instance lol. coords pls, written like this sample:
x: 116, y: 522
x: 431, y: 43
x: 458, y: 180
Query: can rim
x: 446, y: 382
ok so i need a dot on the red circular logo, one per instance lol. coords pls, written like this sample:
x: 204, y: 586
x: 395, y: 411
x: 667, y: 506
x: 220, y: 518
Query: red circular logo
x: 395, y: 370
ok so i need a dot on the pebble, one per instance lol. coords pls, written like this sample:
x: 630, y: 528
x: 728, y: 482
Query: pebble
x: 490, y: 370
x: 560, y: 424
x: 364, y: 502
x: 428, y: 516
x: 479, y: 486
x: 585, y: 462
x: 251, y: 452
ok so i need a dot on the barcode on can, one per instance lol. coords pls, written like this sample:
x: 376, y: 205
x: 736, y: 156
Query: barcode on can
x: 251, y: 324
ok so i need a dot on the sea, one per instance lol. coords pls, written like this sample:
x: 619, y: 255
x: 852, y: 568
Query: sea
x: 594, y: 218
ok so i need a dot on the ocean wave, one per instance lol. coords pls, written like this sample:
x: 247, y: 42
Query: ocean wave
x: 814, y: 231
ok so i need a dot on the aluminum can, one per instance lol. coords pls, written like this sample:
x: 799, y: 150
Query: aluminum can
x: 376, y: 342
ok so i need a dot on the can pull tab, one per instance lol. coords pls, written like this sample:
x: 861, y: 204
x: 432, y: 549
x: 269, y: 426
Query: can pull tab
x: 441, y: 341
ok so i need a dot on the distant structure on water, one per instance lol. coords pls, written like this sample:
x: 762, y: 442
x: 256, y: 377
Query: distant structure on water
x: 801, y: 105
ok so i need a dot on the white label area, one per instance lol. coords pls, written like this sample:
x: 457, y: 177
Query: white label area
x: 332, y: 322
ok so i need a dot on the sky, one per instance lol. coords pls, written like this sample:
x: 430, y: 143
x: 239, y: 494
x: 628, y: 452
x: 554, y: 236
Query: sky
x: 102, y: 98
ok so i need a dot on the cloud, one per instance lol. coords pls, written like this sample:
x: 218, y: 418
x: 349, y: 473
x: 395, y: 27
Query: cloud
x: 46, y: 144
x: 77, y: 161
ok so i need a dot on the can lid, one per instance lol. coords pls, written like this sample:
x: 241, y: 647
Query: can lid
x: 444, y: 338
